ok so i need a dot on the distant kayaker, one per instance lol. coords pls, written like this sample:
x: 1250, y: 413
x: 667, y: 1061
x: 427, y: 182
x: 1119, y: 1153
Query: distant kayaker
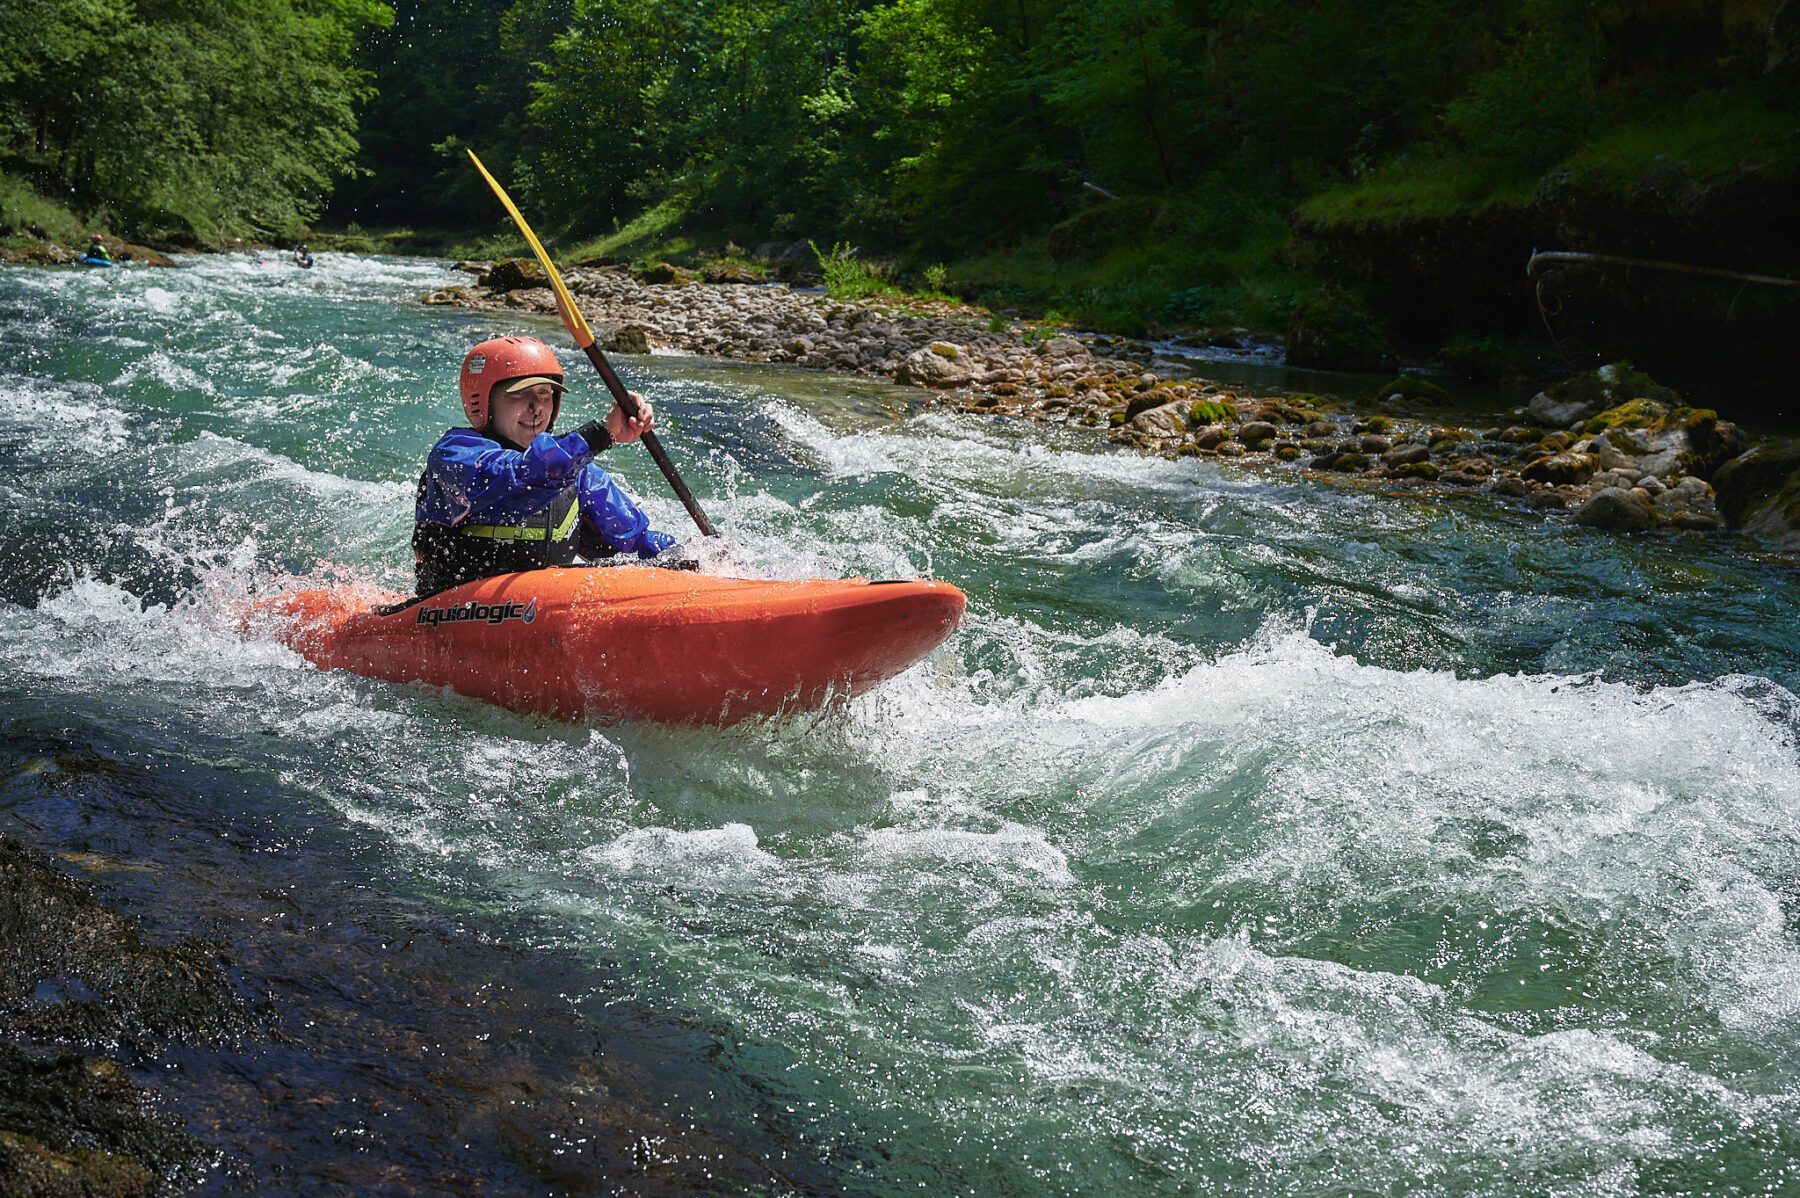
x: 506, y: 494
x: 303, y: 257
x: 97, y: 249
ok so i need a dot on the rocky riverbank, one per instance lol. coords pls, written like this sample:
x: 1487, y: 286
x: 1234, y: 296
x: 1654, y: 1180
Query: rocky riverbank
x: 1610, y: 449
x: 41, y: 252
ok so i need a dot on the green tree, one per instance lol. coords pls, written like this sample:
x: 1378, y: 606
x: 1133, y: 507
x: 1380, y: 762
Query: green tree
x: 201, y: 117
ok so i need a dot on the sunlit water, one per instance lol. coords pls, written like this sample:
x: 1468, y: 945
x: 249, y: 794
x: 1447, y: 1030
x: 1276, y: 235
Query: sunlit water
x: 1250, y: 836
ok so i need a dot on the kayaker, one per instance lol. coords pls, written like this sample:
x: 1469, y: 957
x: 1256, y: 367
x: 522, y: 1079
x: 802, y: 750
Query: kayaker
x: 97, y: 248
x: 506, y: 493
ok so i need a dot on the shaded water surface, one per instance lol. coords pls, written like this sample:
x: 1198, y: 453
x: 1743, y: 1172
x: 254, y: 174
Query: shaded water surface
x: 1251, y: 835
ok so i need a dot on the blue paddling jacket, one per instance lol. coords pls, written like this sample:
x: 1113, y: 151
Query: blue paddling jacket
x: 485, y: 509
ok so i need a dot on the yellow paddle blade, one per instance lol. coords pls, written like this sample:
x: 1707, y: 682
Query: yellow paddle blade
x: 565, y: 303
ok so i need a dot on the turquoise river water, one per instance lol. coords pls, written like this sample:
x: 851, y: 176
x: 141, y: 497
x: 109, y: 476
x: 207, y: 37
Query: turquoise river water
x: 1250, y: 836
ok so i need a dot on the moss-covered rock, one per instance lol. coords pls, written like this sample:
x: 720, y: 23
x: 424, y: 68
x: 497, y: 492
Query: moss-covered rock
x: 1560, y: 469
x: 1579, y: 398
x: 515, y: 274
x: 1211, y: 411
x: 1641, y: 437
x: 1333, y: 330
x: 1411, y: 387
x: 1641, y: 412
x: 1424, y: 471
x: 663, y: 274
x: 1760, y: 490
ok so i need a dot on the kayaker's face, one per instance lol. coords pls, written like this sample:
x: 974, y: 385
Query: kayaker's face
x: 521, y: 415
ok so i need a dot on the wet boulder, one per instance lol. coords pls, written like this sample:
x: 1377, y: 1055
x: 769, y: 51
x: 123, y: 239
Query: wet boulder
x: 1615, y: 509
x: 1256, y: 434
x: 515, y: 274
x: 1759, y: 492
x: 1405, y: 455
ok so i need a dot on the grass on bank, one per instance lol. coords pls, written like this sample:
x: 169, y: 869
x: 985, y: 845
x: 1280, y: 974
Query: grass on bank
x: 25, y: 213
x: 1693, y: 140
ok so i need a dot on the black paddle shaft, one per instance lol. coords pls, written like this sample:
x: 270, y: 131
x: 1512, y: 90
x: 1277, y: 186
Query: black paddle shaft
x: 629, y: 406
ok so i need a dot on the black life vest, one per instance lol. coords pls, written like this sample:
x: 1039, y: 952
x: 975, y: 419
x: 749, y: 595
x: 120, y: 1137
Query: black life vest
x: 445, y: 556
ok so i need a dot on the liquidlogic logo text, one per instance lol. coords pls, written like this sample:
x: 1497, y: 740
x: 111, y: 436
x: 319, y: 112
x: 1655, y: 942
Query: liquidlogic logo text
x: 479, y: 613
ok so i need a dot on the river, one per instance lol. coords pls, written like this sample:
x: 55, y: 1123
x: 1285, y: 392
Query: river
x: 1252, y: 835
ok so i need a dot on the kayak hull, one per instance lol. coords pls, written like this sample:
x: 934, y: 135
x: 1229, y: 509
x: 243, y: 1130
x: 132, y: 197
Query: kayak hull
x: 626, y: 642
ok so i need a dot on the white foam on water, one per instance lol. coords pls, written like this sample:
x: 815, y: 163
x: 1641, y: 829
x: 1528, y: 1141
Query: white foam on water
x: 708, y: 856
x: 210, y: 453
x: 46, y: 410
x: 163, y: 370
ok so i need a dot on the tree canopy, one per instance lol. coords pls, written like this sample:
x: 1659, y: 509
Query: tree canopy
x: 194, y: 118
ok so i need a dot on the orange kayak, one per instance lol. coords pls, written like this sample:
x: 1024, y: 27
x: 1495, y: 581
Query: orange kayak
x: 626, y: 642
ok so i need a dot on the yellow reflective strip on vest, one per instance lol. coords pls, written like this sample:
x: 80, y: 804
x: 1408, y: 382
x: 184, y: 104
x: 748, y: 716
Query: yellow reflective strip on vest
x: 517, y: 532
x: 503, y: 532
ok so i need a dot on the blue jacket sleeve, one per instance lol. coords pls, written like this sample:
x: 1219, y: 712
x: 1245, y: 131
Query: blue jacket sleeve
x: 618, y: 521
x: 472, y: 477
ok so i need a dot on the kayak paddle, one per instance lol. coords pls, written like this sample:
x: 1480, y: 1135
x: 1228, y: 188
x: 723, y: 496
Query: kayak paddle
x: 584, y: 337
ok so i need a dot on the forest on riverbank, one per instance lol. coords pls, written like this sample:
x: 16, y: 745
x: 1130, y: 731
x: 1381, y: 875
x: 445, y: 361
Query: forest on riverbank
x: 1363, y: 179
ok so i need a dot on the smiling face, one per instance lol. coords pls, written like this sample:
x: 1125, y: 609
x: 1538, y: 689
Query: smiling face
x: 518, y: 416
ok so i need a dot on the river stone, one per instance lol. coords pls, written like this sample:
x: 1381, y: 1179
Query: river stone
x: 1560, y: 469
x: 1615, y: 509
x: 627, y: 339
x: 940, y: 364
x: 1405, y: 455
x: 515, y: 274
x: 1256, y: 433
x: 1164, y: 420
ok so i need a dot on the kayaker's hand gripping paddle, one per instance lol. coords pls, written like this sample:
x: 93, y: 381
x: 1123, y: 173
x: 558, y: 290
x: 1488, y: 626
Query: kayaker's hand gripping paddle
x: 584, y: 337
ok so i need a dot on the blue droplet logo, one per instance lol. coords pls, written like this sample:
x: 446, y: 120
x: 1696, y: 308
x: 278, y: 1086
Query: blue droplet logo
x: 530, y: 610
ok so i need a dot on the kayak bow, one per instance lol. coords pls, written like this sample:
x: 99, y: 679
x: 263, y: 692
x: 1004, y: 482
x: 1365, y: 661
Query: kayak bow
x: 627, y: 642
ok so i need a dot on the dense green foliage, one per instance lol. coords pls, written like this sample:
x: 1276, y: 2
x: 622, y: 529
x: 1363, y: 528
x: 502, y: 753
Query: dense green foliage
x: 990, y: 132
x: 193, y: 118
x: 1134, y: 162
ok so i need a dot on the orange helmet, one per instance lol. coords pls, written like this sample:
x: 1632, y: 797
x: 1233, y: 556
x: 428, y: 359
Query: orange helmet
x: 499, y: 359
